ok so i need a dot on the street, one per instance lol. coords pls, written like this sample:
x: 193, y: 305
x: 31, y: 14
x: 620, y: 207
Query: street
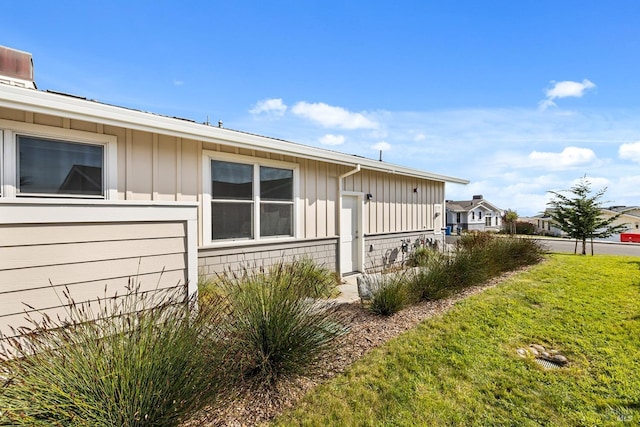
x: 611, y: 248
x: 567, y: 245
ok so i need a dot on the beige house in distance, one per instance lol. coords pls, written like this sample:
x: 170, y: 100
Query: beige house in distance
x: 93, y: 194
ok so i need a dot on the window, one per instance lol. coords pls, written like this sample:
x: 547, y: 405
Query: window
x: 458, y: 217
x: 52, y: 167
x: 231, y: 200
x: 487, y: 221
x: 479, y: 214
x: 249, y: 199
x: 46, y: 161
x: 276, y: 201
x: 473, y: 214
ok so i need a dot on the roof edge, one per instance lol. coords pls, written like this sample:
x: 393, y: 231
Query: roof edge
x: 81, y: 109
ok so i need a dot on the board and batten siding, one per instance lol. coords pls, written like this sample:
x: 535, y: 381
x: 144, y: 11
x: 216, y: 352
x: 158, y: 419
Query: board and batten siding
x: 158, y: 167
x: 164, y: 168
x: 399, y: 203
x: 94, y: 250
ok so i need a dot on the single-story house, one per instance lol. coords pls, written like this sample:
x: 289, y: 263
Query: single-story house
x: 629, y: 216
x: 476, y: 214
x: 92, y: 194
x: 543, y: 224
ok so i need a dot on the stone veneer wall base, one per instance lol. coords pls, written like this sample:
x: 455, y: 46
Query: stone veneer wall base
x: 384, y: 251
x: 213, y: 261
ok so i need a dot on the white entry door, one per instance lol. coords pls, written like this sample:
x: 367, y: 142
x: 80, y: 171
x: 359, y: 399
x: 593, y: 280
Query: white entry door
x: 350, y: 235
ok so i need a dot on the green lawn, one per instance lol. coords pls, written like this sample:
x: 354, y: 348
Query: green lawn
x: 462, y: 368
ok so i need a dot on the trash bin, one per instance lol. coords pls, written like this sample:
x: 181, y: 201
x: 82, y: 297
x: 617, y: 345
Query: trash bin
x: 448, y: 230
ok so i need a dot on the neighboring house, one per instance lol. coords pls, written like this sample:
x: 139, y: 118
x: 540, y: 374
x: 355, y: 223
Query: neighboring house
x: 476, y: 214
x: 543, y: 224
x: 91, y: 194
x: 629, y: 216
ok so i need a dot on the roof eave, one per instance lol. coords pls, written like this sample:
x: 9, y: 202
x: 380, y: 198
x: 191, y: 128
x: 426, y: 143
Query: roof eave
x: 82, y: 109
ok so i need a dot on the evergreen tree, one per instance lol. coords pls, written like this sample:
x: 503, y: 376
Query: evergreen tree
x: 579, y: 214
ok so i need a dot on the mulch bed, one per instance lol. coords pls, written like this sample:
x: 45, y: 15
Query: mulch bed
x: 258, y: 405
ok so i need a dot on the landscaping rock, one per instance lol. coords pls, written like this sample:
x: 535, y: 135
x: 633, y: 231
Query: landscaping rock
x: 559, y: 359
x: 368, y: 284
x: 521, y: 352
x: 538, y: 347
x: 533, y: 351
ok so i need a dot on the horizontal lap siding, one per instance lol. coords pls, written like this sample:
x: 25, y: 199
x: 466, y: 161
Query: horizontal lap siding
x: 38, y: 261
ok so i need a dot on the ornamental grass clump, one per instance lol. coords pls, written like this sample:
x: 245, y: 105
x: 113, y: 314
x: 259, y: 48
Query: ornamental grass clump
x: 311, y: 279
x: 420, y: 256
x: 477, y: 257
x: 433, y: 280
x: 140, y: 359
x: 392, y: 294
x: 502, y: 253
x: 275, y: 327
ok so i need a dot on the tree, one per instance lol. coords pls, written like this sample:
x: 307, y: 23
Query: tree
x: 579, y: 214
x: 509, y: 219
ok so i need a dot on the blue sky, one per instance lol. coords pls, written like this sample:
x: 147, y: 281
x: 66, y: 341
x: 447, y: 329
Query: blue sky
x: 519, y: 97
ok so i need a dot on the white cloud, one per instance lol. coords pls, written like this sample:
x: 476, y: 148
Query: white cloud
x: 382, y: 145
x: 565, y: 89
x: 630, y: 151
x: 335, y: 117
x: 492, y: 147
x: 420, y: 137
x: 330, y: 139
x: 178, y: 82
x: 596, y: 183
x: 567, y: 158
x: 273, y: 106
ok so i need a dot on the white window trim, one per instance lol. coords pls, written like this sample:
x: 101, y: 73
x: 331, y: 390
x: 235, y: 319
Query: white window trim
x: 207, y: 157
x: 9, y: 159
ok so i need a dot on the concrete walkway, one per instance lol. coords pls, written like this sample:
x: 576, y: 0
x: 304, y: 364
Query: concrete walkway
x: 348, y: 290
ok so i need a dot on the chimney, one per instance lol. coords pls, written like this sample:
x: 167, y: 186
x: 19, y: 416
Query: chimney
x: 477, y: 197
x: 16, y: 68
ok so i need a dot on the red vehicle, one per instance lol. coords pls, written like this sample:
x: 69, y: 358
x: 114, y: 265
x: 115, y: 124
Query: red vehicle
x: 630, y: 237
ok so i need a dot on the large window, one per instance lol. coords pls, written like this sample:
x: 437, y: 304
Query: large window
x: 276, y: 201
x: 251, y: 201
x: 52, y: 167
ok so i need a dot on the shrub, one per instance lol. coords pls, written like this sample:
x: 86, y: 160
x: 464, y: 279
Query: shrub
x: 274, y: 328
x: 477, y: 257
x: 523, y: 227
x: 139, y: 359
x: 420, y: 256
x: 445, y: 274
x: 392, y: 294
x: 511, y: 253
x: 475, y: 240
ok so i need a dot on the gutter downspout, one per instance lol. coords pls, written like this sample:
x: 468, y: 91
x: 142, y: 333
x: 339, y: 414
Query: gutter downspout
x: 339, y: 213
x: 344, y: 175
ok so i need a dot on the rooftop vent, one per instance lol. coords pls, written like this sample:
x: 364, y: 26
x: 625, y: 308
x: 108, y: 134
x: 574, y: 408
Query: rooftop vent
x: 16, y: 68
